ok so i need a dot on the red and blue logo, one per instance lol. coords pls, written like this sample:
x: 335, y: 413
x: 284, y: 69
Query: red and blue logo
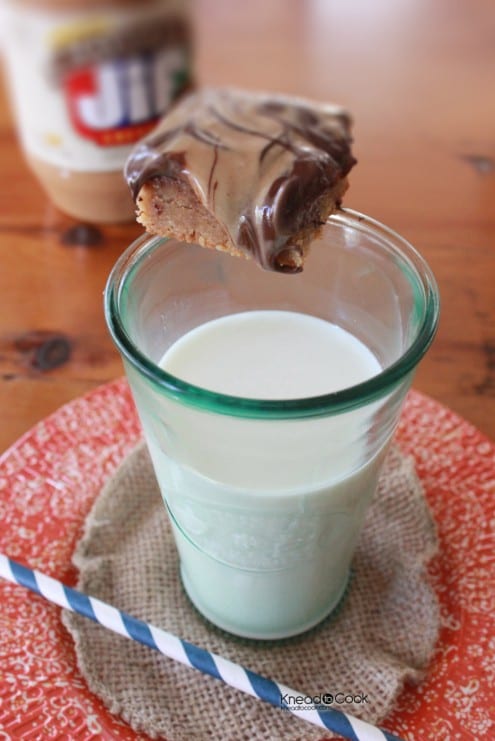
x: 118, y: 101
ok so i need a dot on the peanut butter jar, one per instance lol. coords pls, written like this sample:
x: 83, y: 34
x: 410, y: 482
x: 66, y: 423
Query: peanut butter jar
x: 88, y: 78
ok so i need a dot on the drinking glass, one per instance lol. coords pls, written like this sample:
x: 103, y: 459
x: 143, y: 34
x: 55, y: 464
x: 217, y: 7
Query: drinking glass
x: 266, y: 497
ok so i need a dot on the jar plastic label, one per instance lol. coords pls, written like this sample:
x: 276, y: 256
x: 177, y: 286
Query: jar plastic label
x: 87, y: 86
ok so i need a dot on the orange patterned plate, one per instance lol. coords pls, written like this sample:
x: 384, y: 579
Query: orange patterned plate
x: 50, y: 477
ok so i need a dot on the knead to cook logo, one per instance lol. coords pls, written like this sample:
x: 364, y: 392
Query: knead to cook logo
x: 321, y: 701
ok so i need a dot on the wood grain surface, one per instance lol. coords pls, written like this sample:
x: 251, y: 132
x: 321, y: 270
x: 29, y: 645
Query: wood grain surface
x: 419, y: 78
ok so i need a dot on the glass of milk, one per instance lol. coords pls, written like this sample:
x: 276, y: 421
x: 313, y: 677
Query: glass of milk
x: 267, y: 402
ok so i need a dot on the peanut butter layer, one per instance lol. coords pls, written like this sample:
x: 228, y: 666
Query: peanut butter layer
x: 256, y: 175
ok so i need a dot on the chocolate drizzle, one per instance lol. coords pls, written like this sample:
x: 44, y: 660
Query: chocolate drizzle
x: 262, y: 164
x: 148, y: 163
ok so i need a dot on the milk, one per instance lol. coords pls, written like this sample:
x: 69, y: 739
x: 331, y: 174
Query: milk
x: 270, y: 355
x: 266, y: 513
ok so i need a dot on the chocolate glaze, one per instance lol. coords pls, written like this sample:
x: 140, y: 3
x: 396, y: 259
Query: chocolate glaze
x: 260, y: 163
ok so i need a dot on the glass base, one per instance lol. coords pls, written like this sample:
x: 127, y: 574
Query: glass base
x: 268, y: 635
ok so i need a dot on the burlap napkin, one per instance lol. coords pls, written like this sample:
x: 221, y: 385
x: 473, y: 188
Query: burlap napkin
x: 381, y: 636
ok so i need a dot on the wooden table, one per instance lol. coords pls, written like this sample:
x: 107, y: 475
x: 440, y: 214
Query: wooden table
x: 419, y: 78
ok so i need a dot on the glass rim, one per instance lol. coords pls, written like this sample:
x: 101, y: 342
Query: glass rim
x: 335, y: 402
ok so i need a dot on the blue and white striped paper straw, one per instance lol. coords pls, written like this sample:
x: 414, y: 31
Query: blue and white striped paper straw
x: 186, y: 653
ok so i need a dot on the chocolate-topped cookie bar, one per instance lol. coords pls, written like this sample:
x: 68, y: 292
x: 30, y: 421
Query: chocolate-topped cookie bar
x: 253, y: 174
